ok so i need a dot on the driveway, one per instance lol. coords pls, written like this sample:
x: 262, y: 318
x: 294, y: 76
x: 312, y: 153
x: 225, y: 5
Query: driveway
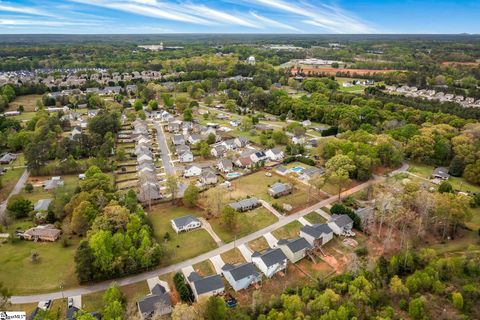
x: 304, y: 221
x: 246, y: 252
x: 16, y: 190
x: 269, y: 207
x: 206, y: 225
x: 218, y: 263
x: 188, y: 263
x: 271, y: 240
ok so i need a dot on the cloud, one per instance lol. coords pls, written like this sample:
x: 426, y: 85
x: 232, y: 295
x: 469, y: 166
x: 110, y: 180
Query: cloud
x: 330, y: 18
x: 48, y: 23
x: 273, y: 23
x: 220, y: 16
x: 7, y: 7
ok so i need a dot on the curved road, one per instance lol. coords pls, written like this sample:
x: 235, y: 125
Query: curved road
x: 175, y: 267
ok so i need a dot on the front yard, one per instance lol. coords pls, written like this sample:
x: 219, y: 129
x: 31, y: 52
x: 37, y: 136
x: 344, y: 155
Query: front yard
x: 288, y: 231
x: 181, y: 246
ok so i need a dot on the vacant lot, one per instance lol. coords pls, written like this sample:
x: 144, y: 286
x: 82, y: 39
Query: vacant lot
x: 248, y: 222
x: 233, y: 256
x: 259, y: 244
x: 288, y: 231
x: 181, y: 246
x: 28, y: 102
x: 204, y: 268
x: 22, y: 276
x: 315, y: 218
x: 94, y: 301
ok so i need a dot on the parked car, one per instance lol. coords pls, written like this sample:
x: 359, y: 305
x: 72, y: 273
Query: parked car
x: 231, y: 303
x: 70, y: 302
x: 268, y: 174
x: 44, y: 305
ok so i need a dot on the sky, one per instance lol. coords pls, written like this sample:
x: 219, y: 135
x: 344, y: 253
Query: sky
x: 239, y: 16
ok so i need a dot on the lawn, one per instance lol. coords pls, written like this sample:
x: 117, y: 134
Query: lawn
x: 259, y: 244
x: 474, y: 224
x: 204, y: 268
x: 461, y: 184
x: 94, y: 301
x: 26, y: 307
x: 29, y: 102
x: 420, y: 170
x: 248, y: 222
x: 469, y: 240
x: 59, y: 306
x: 315, y: 218
x: 181, y: 246
x: 233, y: 256
x: 70, y: 184
x: 25, y: 116
x: 22, y: 276
x: 9, y: 180
x: 288, y: 231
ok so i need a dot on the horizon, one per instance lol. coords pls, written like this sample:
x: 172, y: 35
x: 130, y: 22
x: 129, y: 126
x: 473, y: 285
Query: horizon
x: 242, y: 17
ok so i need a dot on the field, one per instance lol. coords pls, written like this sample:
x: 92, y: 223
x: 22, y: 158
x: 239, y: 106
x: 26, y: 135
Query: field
x: 259, y: 244
x: 70, y: 183
x: 204, y: 268
x: 315, y: 218
x: 181, y: 246
x: 233, y: 256
x: 288, y: 231
x: 55, y: 266
x: 248, y: 222
x: 28, y: 102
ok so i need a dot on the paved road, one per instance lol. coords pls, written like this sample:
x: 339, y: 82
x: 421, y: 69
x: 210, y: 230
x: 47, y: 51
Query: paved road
x: 165, y: 152
x: 16, y: 190
x: 173, y: 268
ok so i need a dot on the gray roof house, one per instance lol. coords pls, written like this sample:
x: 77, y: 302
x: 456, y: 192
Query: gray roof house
x: 245, y: 204
x: 53, y: 183
x: 208, y: 176
x: 308, y: 173
x: 340, y: 224
x: 294, y: 249
x: 317, y: 234
x: 281, y: 170
x: 178, y: 139
x: 440, y: 173
x: 279, y: 189
x: 42, y: 205
x: 185, y: 223
x: 158, y: 302
x: 270, y: 262
x: 7, y: 158
x: 241, y: 276
x: 225, y: 165
x: 206, y: 286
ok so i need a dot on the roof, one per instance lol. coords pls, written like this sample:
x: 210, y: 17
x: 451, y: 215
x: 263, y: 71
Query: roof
x: 295, y: 245
x: 208, y: 284
x: 245, y: 203
x: 276, y: 151
x: 184, y: 221
x: 341, y: 220
x: 312, y: 171
x: 149, y: 303
x: 441, y: 172
x: 71, y: 313
x: 316, y: 230
x: 281, y: 169
x: 241, y: 271
x: 272, y: 256
x: 280, y: 187
x: 42, y: 205
x: 208, y: 173
x: 47, y: 230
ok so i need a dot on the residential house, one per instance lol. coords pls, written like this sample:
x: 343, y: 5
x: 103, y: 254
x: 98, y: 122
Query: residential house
x: 230, y: 144
x: 185, y: 156
x: 308, y: 173
x: 317, y: 234
x: 341, y: 224
x: 245, y: 204
x: 174, y: 126
x: 42, y: 205
x: 144, y: 158
x: 157, y: 303
x: 185, y: 223
x: 225, y: 165
x: 208, y: 177
x: 306, y: 123
x: 46, y: 232
x: 294, y: 249
x: 281, y: 170
x: 192, y: 171
x: 7, y: 158
x: 241, y: 276
x: 298, y: 139
x: 275, y: 154
x: 235, y: 123
x: 205, y: 286
x: 270, y: 262
x: 279, y: 189
x: 178, y: 139
x: 149, y: 190
x: 53, y: 183
x: 258, y: 156
x: 194, y: 138
x: 76, y: 132
x: 243, y: 162
x: 218, y: 151
x: 181, y: 148
x: 438, y: 173
x: 241, y: 142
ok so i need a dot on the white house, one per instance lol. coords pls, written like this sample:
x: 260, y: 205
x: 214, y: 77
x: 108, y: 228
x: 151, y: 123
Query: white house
x: 144, y: 158
x: 258, y: 156
x: 294, y: 249
x: 192, y: 171
x: 185, y: 223
x: 185, y: 156
x: 225, y: 165
x: 341, y: 224
x: 208, y: 176
x: 317, y: 234
x: 241, y: 276
x: 194, y: 138
x: 275, y: 154
x: 270, y: 262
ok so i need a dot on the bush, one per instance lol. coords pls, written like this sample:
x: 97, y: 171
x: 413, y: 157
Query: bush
x: 445, y: 187
x: 19, y: 208
x: 301, y: 159
x: 329, y: 132
x: 362, y: 252
x: 183, y: 289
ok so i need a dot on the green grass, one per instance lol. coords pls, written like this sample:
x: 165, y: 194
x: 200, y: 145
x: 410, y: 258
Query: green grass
x: 26, y: 307
x: 204, y: 268
x: 288, y: 231
x: 474, y: 223
x: 420, y: 170
x: 25, y: 116
x: 28, y: 102
x: 315, y: 218
x: 469, y: 240
x: 248, y: 222
x: 233, y: 256
x: 9, y: 180
x: 56, y: 265
x: 461, y: 184
x: 59, y: 306
x: 181, y: 246
x: 259, y: 244
x: 94, y: 301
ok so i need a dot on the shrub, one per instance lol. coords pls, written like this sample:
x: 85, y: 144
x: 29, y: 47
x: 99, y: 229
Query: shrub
x: 362, y: 252
x: 19, y: 207
x: 183, y: 289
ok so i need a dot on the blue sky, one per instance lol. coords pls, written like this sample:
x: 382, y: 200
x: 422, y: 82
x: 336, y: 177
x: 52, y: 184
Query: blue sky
x: 239, y: 16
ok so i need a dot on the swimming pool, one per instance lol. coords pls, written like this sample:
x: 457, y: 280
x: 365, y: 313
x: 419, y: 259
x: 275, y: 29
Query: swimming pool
x: 233, y: 175
x: 297, y: 169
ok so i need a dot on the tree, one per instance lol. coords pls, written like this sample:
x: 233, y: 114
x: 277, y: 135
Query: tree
x: 472, y: 172
x: 246, y: 124
x: 190, y: 197
x: 187, y: 115
x: 113, y: 301
x: 417, y: 308
x: 183, y: 311
x: 445, y: 187
x: 215, y: 309
x: 229, y: 217
x: 84, y: 260
x: 397, y: 287
x: 211, y: 138
x: 82, y: 216
x: 215, y: 201
x: 338, y: 170
x: 456, y: 167
x: 457, y: 300
x: 19, y: 207
x: 138, y: 105
x: 172, y: 185
x: 29, y: 187
x: 5, y: 295
x: 152, y: 105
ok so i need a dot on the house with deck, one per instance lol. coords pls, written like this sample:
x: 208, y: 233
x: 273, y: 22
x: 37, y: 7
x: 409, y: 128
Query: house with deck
x: 317, y: 234
x: 241, y: 276
x: 294, y: 249
x: 270, y: 262
x: 341, y: 224
x: 205, y: 286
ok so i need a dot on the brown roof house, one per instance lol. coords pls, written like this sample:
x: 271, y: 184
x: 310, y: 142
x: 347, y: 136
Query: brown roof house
x: 46, y: 232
